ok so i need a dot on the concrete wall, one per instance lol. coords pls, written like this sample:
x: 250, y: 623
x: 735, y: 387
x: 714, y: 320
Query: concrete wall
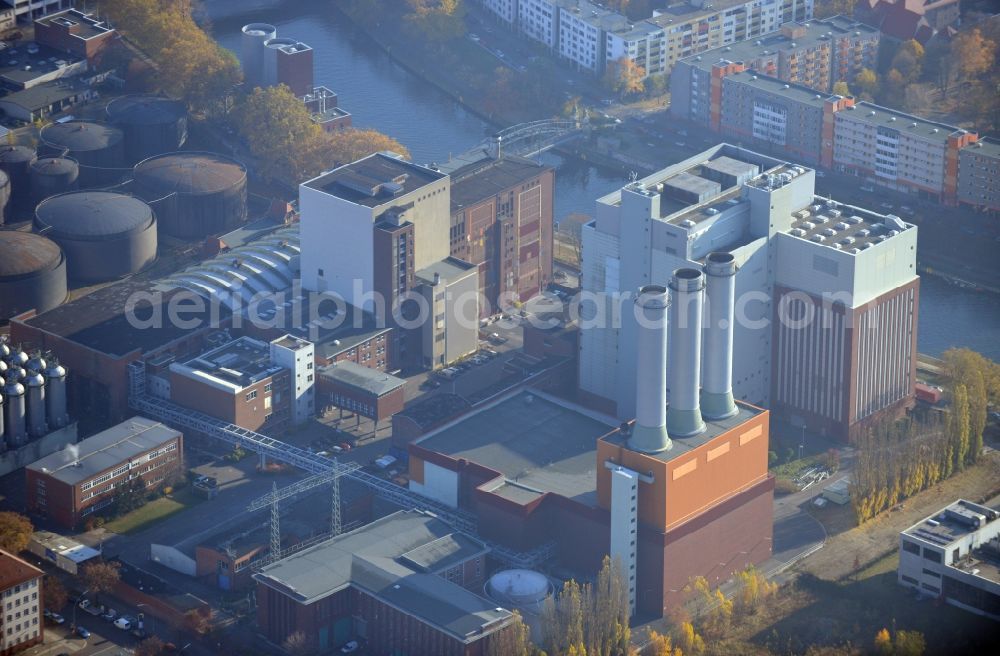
x: 433, y: 481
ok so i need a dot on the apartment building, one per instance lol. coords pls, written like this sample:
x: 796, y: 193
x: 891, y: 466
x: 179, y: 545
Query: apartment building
x: 21, y: 623
x: 539, y: 20
x: 26, y: 11
x: 979, y: 175
x: 505, y: 10
x: 816, y: 54
x: 67, y: 489
x: 757, y: 208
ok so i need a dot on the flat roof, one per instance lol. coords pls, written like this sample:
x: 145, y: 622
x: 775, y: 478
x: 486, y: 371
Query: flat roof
x: 680, y: 12
x: 375, y: 180
x: 64, y: 546
x: 101, y: 321
x: 474, y: 182
x: 884, y: 117
x: 793, y: 36
x: 331, y: 328
x: 83, y: 26
x: 985, y: 147
x: 844, y: 227
x: 234, y: 365
x: 397, y: 559
x: 952, y: 523
x: 541, y: 444
x: 19, y: 65
x: 42, y: 95
x: 787, y: 90
x: 361, y: 378
x: 105, y: 450
x: 435, y: 409
x: 450, y: 269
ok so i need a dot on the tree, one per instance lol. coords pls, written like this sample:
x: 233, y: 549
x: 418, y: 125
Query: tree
x: 353, y: 144
x: 625, y: 77
x: 276, y: 126
x: 834, y: 7
x: 151, y: 646
x: 716, y: 611
x: 689, y: 641
x: 54, y: 594
x: 972, y: 53
x: 883, y: 642
x: 101, y: 576
x: 515, y: 640
x: 840, y: 88
x: 660, y: 644
x: 130, y: 498
x: 297, y: 644
x: 909, y: 643
x: 15, y: 532
x: 752, y: 590
x: 589, y: 619
x: 866, y: 81
x: 961, y: 427
x: 908, y: 60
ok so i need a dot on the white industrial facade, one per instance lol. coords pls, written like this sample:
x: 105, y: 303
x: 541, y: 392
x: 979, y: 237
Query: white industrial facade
x: 638, y: 239
x: 298, y: 357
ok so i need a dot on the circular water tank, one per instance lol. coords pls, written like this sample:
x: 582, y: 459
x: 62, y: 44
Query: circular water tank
x: 252, y: 51
x: 98, y: 148
x: 52, y: 175
x: 16, y: 161
x: 32, y: 274
x: 151, y: 124
x: 194, y: 194
x: 520, y: 588
x: 104, y: 235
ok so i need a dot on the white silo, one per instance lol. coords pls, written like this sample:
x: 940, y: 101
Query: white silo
x: 3, y: 385
x: 687, y: 289
x: 14, y: 416
x: 717, y: 367
x: 252, y: 51
x: 34, y: 384
x: 55, y: 395
x: 650, y: 432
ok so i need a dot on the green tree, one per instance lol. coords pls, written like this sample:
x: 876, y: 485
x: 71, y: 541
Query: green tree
x: 625, y: 77
x: 515, y: 640
x: 960, y: 412
x: 866, y: 82
x: 101, y: 576
x: 840, y: 88
x: 54, y: 594
x: 909, y: 643
x: 15, y: 532
x: 689, y: 640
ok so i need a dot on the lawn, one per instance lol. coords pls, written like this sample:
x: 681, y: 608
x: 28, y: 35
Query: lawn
x: 153, y: 512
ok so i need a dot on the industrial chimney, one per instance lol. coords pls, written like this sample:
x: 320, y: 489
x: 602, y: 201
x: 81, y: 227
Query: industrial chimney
x: 650, y: 433
x: 717, y: 384
x: 686, y: 307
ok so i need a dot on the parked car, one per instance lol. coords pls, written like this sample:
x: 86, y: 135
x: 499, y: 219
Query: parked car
x: 886, y: 206
x: 868, y: 188
x: 109, y: 615
x: 344, y: 446
x: 82, y: 632
x: 57, y: 618
x: 350, y: 647
x: 490, y: 353
x: 336, y: 448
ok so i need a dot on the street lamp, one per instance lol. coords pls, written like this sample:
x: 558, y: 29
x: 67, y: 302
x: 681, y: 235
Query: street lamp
x: 76, y: 604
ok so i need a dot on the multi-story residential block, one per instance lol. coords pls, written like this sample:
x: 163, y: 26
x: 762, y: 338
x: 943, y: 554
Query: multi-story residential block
x: 505, y: 10
x: 582, y: 27
x: 501, y: 221
x: 29, y: 10
x: 954, y: 556
x: 138, y: 451
x: 21, y: 623
x: 757, y: 208
x: 979, y: 175
x: 816, y: 54
x: 539, y: 20
x: 899, y: 151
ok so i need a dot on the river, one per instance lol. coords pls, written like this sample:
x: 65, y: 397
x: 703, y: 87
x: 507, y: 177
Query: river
x: 382, y: 95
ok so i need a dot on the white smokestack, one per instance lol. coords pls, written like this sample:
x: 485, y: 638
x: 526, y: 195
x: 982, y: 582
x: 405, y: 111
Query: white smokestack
x: 650, y: 432
x: 717, y: 385
x: 686, y: 307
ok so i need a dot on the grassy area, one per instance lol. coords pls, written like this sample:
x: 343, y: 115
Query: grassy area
x: 153, y: 512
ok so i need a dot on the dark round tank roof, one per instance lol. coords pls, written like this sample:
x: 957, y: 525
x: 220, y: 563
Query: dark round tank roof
x: 143, y: 109
x: 9, y: 153
x: 190, y: 172
x: 23, y: 253
x: 91, y: 215
x: 80, y: 136
x: 54, y: 165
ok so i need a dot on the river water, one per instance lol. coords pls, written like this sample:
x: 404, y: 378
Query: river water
x: 382, y: 95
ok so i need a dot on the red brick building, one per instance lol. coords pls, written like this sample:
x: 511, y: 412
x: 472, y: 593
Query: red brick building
x: 137, y: 451
x: 75, y: 32
x: 501, y: 221
x: 403, y: 583
x: 21, y: 624
x: 367, y: 392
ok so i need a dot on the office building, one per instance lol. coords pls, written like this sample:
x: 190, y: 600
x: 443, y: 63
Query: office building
x: 954, y: 556
x: 501, y: 221
x: 26, y: 11
x: 361, y: 390
x: 21, y: 622
x: 297, y: 357
x: 75, y: 32
x: 138, y: 453
x: 856, y: 264
x: 406, y: 583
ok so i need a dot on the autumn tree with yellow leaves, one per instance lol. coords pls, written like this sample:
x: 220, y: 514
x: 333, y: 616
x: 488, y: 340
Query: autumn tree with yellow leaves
x: 591, y: 619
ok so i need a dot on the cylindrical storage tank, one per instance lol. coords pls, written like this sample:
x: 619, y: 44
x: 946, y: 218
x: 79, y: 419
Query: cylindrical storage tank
x: 3, y: 443
x: 519, y: 588
x: 15, y: 161
x: 15, y: 428
x: 55, y: 395
x: 717, y: 367
x: 51, y: 176
x: 194, y: 194
x: 35, y: 392
x: 32, y: 274
x: 650, y: 431
x: 270, y: 54
x: 151, y: 124
x: 98, y: 148
x: 103, y: 234
x: 252, y: 51
x: 687, y: 289
x: 5, y: 192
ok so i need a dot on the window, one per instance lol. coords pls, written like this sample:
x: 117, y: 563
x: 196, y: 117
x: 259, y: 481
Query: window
x: 267, y: 388
x: 309, y: 365
x: 251, y: 395
x: 911, y: 547
x: 932, y: 556
x: 309, y: 378
x: 319, y: 272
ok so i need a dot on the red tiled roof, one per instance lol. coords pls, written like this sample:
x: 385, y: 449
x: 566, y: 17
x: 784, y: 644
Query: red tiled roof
x: 13, y: 570
x: 902, y: 23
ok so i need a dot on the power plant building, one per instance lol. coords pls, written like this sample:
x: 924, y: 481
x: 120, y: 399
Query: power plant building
x: 68, y: 486
x: 797, y: 255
